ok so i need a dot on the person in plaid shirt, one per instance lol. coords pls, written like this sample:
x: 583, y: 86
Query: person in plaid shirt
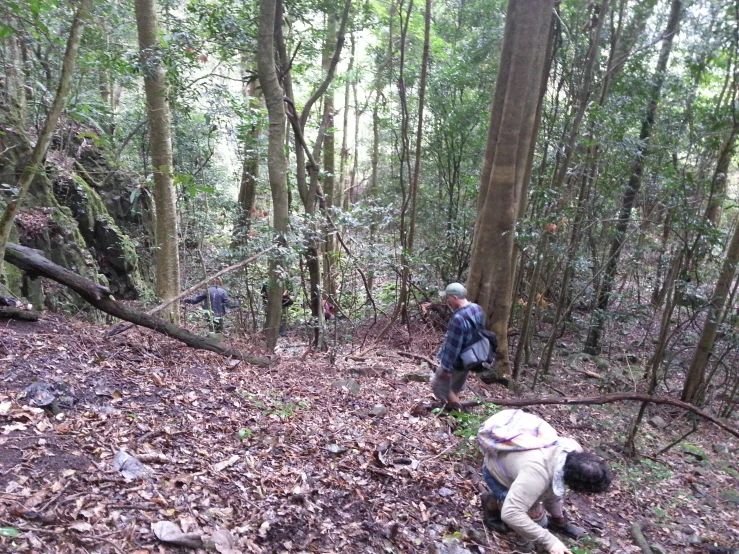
x: 467, y: 319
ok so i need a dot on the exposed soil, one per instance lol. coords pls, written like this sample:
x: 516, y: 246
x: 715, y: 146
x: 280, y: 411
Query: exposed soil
x: 288, y: 462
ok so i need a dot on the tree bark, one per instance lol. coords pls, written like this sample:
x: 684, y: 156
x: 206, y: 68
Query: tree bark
x: 32, y: 261
x: 512, y: 128
x: 160, y: 144
x: 35, y: 164
x: 592, y: 344
x: 694, y: 380
x: 276, y: 160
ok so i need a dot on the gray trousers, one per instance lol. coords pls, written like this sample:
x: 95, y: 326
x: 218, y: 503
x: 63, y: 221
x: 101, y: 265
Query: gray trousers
x: 442, y: 387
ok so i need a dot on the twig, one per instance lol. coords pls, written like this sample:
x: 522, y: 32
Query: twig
x: 682, y: 438
x: 27, y: 529
x: 429, y: 361
x: 54, y: 498
x: 611, y: 398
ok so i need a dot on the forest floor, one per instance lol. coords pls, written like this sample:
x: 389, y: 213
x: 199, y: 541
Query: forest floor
x: 310, y: 455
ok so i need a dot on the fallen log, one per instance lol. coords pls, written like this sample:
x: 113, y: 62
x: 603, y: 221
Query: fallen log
x: 8, y: 312
x: 34, y: 262
x: 607, y: 399
x: 121, y: 327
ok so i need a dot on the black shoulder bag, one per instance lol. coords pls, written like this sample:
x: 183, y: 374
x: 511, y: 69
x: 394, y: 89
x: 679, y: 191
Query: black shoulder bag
x: 478, y: 354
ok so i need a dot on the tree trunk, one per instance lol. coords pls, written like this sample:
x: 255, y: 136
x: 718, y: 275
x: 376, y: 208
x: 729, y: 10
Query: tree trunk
x: 160, y: 143
x: 276, y: 160
x: 13, y: 93
x: 592, y: 344
x: 415, y: 177
x: 694, y: 380
x: 36, y: 162
x: 249, y: 171
x: 720, y: 175
x: 331, y: 187
x: 512, y: 128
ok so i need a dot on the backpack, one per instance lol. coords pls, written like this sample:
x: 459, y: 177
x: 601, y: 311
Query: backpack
x: 478, y: 354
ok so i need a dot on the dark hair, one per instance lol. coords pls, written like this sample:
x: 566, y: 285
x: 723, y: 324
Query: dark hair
x: 586, y: 472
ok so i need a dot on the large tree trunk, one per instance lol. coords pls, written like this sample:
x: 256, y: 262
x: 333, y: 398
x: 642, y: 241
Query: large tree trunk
x: 276, y: 160
x: 35, y: 164
x: 160, y: 143
x: 592, y: 344
x: 32, y: 261
x: 512, y: 128
x: 694, y: 381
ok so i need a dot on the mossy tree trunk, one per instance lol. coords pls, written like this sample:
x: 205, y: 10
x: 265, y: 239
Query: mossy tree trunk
x: 35, y: 164
x: 160, y: 143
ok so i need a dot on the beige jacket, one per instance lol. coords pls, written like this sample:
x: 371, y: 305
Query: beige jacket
x: 531, y: 476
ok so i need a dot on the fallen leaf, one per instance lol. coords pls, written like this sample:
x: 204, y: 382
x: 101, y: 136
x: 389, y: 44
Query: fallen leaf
x: 9, y: 532
x: 166, y: 531
x: 81, y: 526
x: 220, y: 466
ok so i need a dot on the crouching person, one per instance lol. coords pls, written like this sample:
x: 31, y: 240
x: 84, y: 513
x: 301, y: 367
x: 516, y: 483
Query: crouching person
x: 526, y: 468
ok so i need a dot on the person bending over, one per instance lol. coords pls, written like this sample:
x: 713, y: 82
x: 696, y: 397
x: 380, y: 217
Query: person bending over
x: 526, y: 467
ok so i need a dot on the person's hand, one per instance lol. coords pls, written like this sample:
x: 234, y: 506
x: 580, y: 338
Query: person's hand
x: 559, y: 548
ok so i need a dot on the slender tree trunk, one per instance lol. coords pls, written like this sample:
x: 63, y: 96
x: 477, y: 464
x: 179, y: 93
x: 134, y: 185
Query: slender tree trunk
x: 720, y: 176
x: 592, y: 344
x: 331, y: 187
x: 512, y: 128
x: 415, y: 177
x: 160, y: 144
x: 276, y: 159
x: 375, y: 159
x: 36, y: 162
x: 694, y: 381
x: 249, y: 172
x: 12, y: 91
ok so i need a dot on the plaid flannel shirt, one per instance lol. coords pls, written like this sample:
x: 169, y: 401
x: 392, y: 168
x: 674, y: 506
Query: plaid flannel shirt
x: 459, y: 334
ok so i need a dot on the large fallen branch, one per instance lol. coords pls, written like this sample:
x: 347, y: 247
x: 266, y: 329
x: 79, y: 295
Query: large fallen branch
x: 606, y: 399
x: 8, y: 312
x: 121, y: 327
x: 32, y: 261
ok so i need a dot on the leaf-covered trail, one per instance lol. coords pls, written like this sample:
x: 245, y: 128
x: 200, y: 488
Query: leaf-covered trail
x: 293, y: 458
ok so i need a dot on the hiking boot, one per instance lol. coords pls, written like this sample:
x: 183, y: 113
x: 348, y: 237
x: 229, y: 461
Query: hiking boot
x: 561, y: 525
x: 491, y: 513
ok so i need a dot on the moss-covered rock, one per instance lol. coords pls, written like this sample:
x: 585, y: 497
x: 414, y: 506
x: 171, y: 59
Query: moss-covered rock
x: 114, y: 252
x: 68, y: 219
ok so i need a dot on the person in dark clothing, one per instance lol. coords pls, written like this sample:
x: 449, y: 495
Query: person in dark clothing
x: 467, y: 319
x: 287, y: 301
x: 219, y: 301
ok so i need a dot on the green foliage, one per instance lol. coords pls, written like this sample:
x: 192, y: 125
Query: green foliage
x: 645, y: 473
x: 467, y: 424
x: 271, y: 405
